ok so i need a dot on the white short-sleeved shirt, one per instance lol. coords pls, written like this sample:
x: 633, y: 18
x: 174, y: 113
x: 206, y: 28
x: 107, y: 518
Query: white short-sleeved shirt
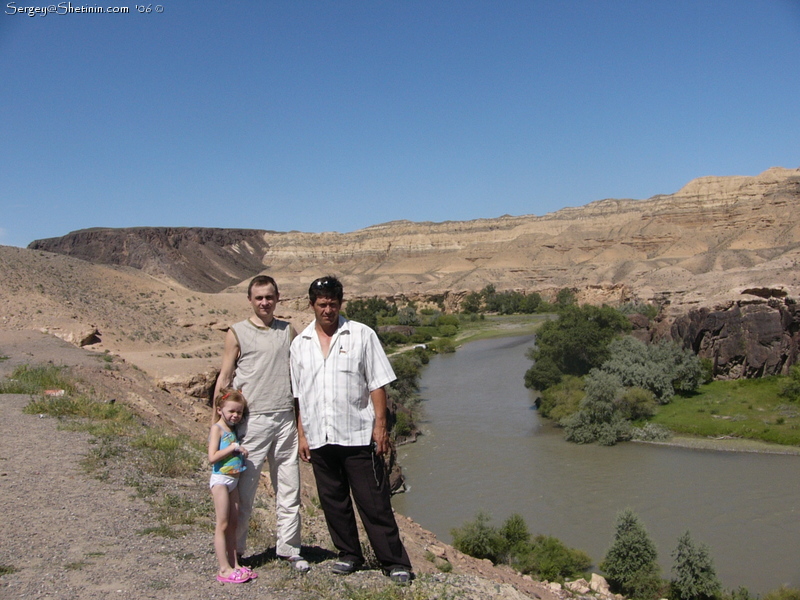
x: 333, y: 392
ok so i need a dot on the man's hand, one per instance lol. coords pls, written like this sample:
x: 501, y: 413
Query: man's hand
x: 302, y: 448
x: 380, y: 435
x: 381, y: 438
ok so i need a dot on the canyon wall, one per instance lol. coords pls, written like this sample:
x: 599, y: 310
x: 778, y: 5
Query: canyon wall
x: 705, y: 244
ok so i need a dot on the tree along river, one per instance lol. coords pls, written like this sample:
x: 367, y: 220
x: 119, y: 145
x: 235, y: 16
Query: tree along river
x: 485, y: 448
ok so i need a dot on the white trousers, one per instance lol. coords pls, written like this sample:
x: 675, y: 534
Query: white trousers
x: 271, y: 437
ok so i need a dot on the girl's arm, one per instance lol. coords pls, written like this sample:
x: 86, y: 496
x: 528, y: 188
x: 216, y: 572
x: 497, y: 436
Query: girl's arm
x: 214, y: 453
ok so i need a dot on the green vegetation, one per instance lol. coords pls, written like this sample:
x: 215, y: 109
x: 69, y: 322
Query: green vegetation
x: 598, y: 418
x: 573, y: 344
x: 402, y: 392
x: 642, y: 308
x: 510, y: 302
x: 695, y: 577
x: 783, y: 593
x: 7, y: 570
x: 35, y: 380
x: 167, y: 455
x: 474, y: 328
x: 630, y: 563
x: 742, y: 408
x: 663, y: 368
x: 790, y: 389
x: 543, y: 556
x: 370, y: 310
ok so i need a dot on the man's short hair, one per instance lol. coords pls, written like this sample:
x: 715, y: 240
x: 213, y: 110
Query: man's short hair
x: 325, y: 287
x: 262, y: 280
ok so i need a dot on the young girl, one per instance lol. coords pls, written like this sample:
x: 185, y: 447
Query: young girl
x: 227, y: 461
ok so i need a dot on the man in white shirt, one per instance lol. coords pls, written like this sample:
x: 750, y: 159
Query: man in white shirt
x: 339, y: 374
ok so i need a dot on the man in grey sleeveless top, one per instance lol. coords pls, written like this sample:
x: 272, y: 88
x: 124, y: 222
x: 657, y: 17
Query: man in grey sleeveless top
x: 256, y: 361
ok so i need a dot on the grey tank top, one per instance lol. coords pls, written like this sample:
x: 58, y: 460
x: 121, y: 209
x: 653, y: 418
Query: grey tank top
x: 262, y: 371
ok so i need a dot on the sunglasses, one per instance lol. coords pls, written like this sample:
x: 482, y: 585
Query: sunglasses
x: 324, y: 283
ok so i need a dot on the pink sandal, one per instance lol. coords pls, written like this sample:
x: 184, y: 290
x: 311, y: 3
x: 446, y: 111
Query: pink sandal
x: 249, y: 572
x: 237, y: 576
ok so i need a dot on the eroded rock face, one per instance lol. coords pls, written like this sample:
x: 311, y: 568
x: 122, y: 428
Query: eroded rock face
x: 197, y: 385
x: 702, y: 245
x: 744, y: 338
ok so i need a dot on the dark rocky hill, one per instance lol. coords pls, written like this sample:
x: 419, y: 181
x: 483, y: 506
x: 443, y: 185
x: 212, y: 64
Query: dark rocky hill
x: 202, y: 259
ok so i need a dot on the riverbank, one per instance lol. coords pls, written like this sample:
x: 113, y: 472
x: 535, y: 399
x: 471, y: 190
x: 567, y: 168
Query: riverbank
x: 495, y: 326
x: 726, y: 444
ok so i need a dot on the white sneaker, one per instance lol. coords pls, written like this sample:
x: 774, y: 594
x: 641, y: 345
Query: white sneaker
x: 299, y: 563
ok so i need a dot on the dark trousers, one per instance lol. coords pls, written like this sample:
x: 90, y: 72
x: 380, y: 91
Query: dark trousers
x: 340, y: 470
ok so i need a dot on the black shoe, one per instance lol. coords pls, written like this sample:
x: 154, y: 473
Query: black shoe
x: 401, y: 575
x: 344, y: 566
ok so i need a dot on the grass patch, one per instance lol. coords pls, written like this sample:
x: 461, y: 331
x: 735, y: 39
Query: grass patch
x: 743, y: 408
x: 493, y: 326
x: 332, y: 588
x: 167, y: 455
x: 99, y: 460
x: 7, y: 570
x: 174, y: 509
x: 76, y: 566
x: 164, y: 531
x: 27, y: 379
x: 83, y: 407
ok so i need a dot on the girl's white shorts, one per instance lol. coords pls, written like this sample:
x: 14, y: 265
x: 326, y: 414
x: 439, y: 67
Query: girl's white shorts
x: 226, y: 480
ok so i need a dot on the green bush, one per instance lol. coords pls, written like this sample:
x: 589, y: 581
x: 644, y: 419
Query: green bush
x: 479, y: 539
x: 448, y: 330
x: 544, y: 557
x: 573, y: 344
x: 471, y: 303
x: 407, y: 368
x: 637, y: 403
x: 407, y: 316
x: 392, y: 337
x: 403, y: 424
x: 695, y: 577
x: 790, y: 389
x: 783, y: 593
x: 662, y: 368
x: 368, y: 311
x: 599, y: 418
x: 443, y: 346
x: 443, y: 320
x: 565, y: 297
x: 544, y: 373
x: 648, y: 310
x: 550, y: 559
x: 560, y: 401
x: 630, y: 563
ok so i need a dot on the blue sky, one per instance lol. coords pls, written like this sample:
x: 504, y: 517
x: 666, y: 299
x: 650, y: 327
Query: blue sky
x: 335, y: 115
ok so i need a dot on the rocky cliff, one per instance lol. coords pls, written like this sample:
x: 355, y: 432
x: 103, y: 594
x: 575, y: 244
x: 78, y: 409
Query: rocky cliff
x: 202, y: 259
x: 707, y: 243
x: 744, y: 338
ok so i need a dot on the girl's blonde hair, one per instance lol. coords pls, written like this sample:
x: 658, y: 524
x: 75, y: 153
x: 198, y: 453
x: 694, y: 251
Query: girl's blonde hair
x: 227, y: 395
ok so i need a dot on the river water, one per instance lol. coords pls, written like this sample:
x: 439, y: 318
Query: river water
x: 485, y: 448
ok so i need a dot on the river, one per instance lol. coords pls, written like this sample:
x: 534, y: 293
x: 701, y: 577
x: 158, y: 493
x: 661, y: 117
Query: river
x: 485, y: 448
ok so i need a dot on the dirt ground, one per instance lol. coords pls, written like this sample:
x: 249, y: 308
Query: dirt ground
x: 67, y: 535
